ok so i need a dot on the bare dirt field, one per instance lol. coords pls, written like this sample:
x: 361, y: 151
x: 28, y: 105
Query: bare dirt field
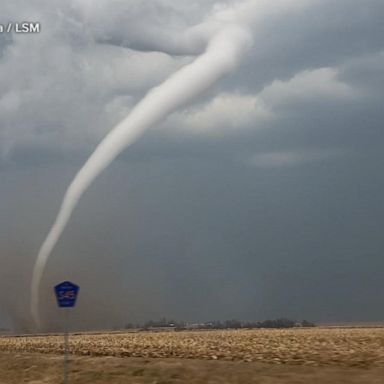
x: 255, y: 356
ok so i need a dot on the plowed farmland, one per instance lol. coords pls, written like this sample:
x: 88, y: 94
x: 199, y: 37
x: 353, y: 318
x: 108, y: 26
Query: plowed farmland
x: 281, y: 356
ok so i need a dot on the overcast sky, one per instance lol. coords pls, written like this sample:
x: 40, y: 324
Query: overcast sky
x: 263, y: 197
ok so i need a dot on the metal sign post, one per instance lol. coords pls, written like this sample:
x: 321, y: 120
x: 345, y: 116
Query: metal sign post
x: 66, y: 295
x: 66, y: 348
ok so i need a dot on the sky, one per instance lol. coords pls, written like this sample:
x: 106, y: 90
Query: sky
x: 260, y: 198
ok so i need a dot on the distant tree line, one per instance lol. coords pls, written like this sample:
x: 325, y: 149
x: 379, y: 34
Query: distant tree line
x: 226, y: 324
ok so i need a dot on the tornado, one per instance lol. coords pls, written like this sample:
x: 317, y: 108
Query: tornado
x: 221, y: 55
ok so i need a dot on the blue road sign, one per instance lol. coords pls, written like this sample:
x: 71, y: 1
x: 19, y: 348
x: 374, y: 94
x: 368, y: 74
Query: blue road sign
x: 66, y: 294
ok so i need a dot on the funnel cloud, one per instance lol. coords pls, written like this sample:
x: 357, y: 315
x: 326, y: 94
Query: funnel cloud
x: 221, y: 55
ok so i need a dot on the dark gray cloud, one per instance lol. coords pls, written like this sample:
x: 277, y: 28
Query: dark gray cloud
x: 263, y: 198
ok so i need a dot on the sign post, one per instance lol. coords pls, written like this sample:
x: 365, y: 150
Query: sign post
x: 66, y: 295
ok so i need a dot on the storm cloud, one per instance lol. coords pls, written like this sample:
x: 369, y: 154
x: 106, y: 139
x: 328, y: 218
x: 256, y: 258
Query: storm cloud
x: 261, y: 198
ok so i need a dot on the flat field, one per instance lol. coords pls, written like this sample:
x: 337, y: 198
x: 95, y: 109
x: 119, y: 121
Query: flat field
x: 319, y: 355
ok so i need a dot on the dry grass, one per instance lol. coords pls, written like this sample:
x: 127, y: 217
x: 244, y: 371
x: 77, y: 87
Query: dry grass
x: 35, y: 368
x: 360, y: 347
